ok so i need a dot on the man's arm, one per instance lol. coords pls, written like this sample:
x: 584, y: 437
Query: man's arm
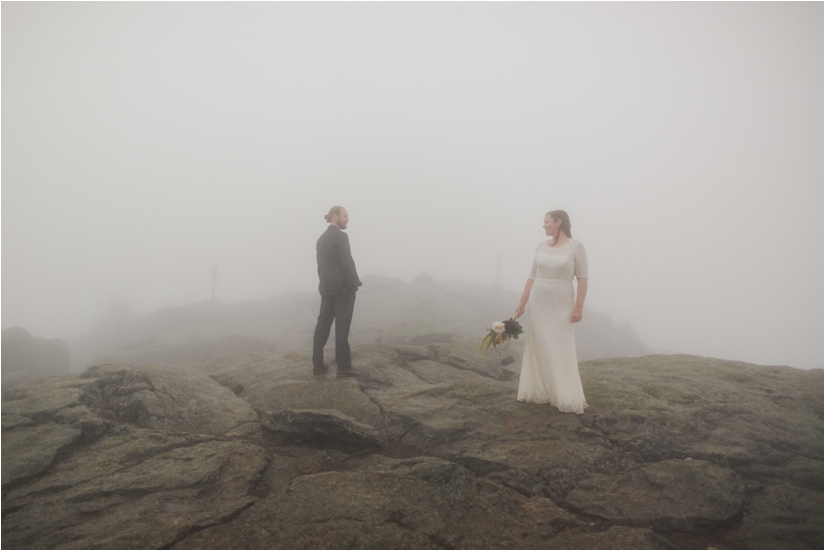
x: 347, y: 263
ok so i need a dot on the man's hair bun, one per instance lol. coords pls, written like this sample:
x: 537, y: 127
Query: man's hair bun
x: 332, y: 212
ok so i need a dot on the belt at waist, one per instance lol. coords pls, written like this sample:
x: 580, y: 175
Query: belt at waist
x: 554, y: 279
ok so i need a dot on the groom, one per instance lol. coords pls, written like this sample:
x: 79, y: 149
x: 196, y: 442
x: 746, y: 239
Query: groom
x: 338, y: 284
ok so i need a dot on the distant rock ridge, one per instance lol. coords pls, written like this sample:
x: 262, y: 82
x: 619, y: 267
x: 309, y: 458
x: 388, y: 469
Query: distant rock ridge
x: 154, y: 351
x: 388, y: 311
x: 27, y: 358
x: 423, y: 279
x: 428, y: 448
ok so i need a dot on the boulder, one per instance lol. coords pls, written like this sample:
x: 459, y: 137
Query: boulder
x: 320, y: 393
x: 324, y: 425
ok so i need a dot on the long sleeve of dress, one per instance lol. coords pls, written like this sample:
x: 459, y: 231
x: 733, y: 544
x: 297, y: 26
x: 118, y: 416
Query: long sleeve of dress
x: 580, y: 261
x: 535, y: 267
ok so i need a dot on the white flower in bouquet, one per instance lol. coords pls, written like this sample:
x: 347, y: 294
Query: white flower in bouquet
x: 501, y: 331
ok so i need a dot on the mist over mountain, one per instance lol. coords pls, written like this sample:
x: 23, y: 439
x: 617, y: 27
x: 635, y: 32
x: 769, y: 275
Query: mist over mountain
x: 388, y: 311
x: 146, y: 143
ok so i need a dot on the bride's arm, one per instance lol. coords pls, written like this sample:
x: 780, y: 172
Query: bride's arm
x: 525, y: 296
x: 581, y: 292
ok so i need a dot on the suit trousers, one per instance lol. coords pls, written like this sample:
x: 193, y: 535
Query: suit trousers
x: 336, y: 308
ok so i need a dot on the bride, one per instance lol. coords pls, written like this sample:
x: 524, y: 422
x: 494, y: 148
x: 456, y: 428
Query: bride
x: 550, y: 370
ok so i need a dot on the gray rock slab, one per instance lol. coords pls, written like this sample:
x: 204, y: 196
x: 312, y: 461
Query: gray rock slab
x: 123, y: 449
x: 704, y: 403
x: 12, y: 420
x: 137, y: 499
x: 324, y: 425
x: 31, y: 450
x: 759, y: 422
x: 479, y: 424
x: 672, y: 494
x: 615, y: 537
x: 762, y: 423
x: 780, y: 516
x: 467, y: 356
x: 270, y: 383
x: 344, y: 395
x: 42, y: 404
x: 421, y: 417
x: 84, y: 419
x: 434, y: 373
x: 432, y: 338
x: 172, y: 399
x: 181, y: 467
x: 520, y: 481
x: 416, y: 503
x: 388, y: 366
x: 505, y: 519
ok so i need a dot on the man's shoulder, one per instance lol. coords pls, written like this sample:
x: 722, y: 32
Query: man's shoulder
x: 337, y: 233
x: 330, y: 231
x: 333, y: 234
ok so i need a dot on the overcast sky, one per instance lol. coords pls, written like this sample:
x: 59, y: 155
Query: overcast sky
x: 144, y: 142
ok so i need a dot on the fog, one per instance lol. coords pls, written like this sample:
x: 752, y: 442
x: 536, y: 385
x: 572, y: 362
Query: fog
x: 143, y: 143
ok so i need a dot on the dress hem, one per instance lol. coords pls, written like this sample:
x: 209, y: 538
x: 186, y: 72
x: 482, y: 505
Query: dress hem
x: 547, y: 402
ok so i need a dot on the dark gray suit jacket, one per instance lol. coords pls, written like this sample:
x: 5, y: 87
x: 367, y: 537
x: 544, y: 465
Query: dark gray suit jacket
x: 336, y: 269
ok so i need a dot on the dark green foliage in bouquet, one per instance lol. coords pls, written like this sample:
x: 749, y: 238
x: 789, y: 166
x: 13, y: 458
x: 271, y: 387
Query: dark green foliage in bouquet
x: 501, y: 332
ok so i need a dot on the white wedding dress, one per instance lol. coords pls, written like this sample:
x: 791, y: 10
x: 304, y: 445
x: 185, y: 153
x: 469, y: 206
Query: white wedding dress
x: 550, y: 369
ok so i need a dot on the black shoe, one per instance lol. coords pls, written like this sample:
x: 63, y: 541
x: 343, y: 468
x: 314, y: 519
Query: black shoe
x: 343, y: 373
x: 320, y: 370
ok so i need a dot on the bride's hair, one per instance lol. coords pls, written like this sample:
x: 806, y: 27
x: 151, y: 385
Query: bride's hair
x: 565, y: 221
x: 332, y: 212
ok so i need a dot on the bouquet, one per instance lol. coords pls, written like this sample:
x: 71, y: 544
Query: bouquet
x: 501, y: 331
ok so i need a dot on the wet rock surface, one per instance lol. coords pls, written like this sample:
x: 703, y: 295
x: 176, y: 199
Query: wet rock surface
x: 173, y: 399
x: 427, y: 449
x: 322, y: 426
x: 670, y: 494
x: 140, y: 490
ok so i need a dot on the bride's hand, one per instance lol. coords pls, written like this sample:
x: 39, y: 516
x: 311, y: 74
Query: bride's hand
x: 519, y: 311
x: 576, y: 315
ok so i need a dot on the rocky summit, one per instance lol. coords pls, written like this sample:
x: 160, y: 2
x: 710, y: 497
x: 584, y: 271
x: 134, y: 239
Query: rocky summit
x: 428, y: 448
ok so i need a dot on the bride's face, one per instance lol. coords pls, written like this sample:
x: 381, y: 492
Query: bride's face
x: 551, y: 227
